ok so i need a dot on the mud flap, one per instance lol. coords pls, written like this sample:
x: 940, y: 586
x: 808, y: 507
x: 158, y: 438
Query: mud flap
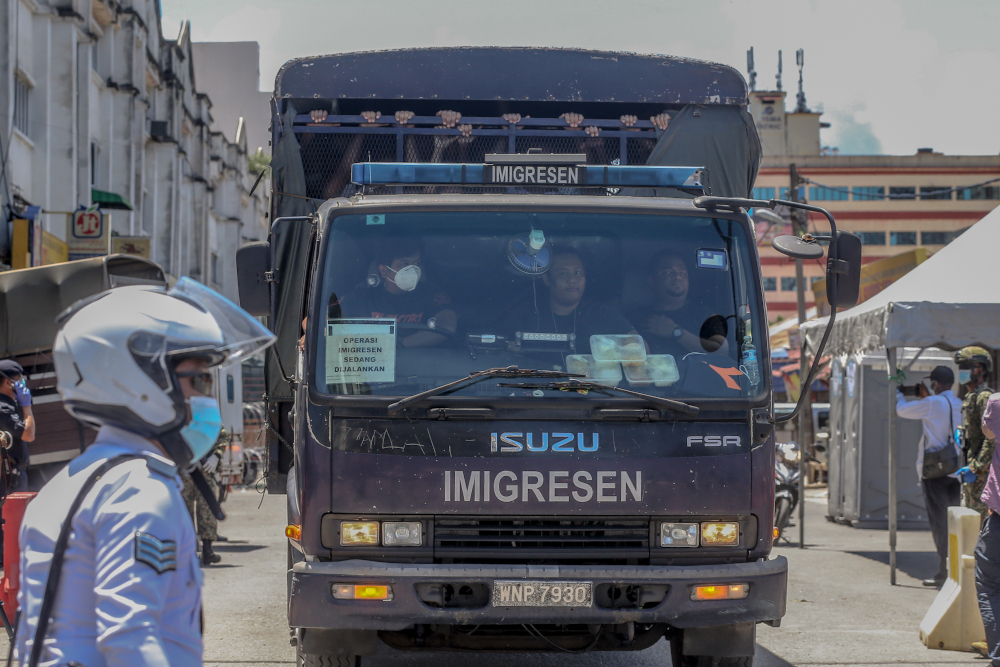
x: 723, y: 641
x: 317, y: 641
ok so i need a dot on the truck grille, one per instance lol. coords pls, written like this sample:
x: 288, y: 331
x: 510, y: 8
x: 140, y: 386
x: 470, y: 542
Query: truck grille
x: 598, y: 540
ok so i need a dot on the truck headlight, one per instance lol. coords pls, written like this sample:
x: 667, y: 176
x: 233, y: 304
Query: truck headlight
x: 720, y: 534
x: 678, y: 534
x: 358, y: 533
x: 401, y: 534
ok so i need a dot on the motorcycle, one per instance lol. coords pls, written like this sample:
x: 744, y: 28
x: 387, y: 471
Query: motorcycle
x: 786, y: 485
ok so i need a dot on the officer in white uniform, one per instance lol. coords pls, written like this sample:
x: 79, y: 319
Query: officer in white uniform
x: 135, y: 362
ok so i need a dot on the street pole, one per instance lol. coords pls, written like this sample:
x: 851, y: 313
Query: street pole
x: 890, y: 357
x: 805, y: 415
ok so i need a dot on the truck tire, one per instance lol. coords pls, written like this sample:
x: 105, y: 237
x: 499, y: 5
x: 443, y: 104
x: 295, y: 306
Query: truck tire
x: 309, y: 660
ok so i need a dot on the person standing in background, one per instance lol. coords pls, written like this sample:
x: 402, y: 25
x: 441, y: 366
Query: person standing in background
x: 17, y: 419
x: 974, y: 368
x: 988, y: 546
x: 939, y: 412
x: 201, y: 515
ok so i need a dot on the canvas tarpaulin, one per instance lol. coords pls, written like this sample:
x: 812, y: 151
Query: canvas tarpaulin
x: 949, y: 301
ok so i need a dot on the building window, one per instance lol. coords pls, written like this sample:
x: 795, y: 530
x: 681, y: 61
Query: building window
x: 763, y: 193
x: 902, y: 238
x: 770, y: 284
x: 934, y: 192
x: 22, y: 93
x: 828, y: 194
x: 869, y: 192
x: 215, y: 269
x: 903, y: 193
x: 872, y: 238
x: 788, y: 283
x: 982, y: 192
x: 93, y: 164
x: 934, y: 238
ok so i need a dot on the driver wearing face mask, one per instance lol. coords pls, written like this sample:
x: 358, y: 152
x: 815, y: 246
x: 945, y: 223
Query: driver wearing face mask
x: 397, y: 287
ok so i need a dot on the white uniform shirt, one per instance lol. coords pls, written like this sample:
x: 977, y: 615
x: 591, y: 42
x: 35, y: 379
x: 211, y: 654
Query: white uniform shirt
x: 932, y: 412
x: 130, y: 592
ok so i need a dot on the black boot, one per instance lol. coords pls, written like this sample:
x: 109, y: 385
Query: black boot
x: 208, y: 557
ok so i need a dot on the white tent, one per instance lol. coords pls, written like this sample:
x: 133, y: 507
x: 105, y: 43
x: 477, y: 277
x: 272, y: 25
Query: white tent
x: 949, y: 301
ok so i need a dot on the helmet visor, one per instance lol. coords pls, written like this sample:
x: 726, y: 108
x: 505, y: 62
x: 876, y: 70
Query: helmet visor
x: 243, y: 336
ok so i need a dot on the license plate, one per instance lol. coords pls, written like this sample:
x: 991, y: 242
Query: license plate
x: 542, y: 593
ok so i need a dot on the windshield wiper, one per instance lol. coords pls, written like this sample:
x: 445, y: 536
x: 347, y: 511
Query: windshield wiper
x: 583, y: 387
x: 478, y: 376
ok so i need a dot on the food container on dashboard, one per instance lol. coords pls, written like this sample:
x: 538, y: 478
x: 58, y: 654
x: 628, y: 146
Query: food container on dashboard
x: 658, y: 369
x: 614, y: 347
x: 605, y: 372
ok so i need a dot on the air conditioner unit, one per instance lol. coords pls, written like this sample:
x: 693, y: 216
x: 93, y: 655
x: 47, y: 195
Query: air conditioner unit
x: 159, y: 129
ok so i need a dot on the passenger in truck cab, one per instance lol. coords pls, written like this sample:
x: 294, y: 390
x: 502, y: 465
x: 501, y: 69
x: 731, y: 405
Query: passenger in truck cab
x: 397, y: 288
x: 564, y: 309
x: 675, y: 323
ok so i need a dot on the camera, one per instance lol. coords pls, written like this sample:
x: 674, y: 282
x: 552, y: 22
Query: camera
x: 912, y: 390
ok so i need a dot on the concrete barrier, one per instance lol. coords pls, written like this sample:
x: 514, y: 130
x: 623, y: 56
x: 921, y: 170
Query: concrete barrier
x: 953, y: 621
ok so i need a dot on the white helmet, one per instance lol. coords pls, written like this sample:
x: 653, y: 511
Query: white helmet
x: 116, y: 353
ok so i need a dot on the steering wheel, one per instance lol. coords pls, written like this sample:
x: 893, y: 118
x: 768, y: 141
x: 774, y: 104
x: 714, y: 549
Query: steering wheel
x: 410, y: 328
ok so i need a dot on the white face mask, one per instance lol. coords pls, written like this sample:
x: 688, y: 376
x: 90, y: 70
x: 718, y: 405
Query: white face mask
x: 406, y: 278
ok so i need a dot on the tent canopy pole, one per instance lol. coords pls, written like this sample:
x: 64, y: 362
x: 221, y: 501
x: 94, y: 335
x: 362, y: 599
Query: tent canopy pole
x: 890, y: 356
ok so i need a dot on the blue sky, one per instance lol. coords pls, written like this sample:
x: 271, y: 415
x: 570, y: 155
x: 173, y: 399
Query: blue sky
x: 891, y: 76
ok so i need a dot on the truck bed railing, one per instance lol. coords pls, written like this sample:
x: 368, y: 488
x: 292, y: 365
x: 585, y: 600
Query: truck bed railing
x: 330, y: 147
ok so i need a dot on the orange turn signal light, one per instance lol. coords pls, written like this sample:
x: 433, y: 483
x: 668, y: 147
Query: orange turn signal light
x: 720, y: 592
x: 362, y: 592
x: 293, y: 531
x: 775, y: 532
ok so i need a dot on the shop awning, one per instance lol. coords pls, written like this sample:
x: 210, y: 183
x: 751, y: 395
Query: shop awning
x: 109, y: 200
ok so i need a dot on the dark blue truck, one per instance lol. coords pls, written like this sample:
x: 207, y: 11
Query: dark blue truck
x: 521, y: 398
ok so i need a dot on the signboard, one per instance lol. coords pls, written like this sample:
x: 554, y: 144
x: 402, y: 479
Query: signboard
x: 54, y: 250
x: 89, y: 234
x: 130, y: 245
x: 534, y: 174
x: 875, y: 277
x: 360, y: 350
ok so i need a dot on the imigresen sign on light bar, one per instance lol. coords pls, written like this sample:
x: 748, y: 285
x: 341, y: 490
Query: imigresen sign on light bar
x: 534, y: 174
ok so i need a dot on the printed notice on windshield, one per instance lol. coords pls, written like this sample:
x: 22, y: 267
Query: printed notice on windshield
x: 360, y: 350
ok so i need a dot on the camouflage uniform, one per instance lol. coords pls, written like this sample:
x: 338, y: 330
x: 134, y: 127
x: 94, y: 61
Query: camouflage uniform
x: 205, y: 521
x: 977, y: 449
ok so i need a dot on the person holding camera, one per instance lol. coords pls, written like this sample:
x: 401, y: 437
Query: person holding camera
x: 939, y: 456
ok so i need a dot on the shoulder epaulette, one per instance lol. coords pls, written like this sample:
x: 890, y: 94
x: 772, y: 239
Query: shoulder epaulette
x: 161, y: 466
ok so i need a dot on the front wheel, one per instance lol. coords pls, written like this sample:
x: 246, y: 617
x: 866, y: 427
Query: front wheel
x: 309, y: 660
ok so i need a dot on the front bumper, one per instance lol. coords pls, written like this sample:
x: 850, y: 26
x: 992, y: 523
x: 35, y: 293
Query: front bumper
x: 312, y: 604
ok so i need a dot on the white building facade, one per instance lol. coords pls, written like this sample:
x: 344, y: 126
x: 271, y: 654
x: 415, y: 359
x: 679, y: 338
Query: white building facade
x: 94, y: 102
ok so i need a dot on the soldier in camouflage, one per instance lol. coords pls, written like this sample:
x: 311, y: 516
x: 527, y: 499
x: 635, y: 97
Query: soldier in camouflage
x: 205, y: 521
x: 974, y: 368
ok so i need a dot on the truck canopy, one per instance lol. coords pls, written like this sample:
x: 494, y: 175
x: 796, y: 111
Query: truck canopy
x: 31, y: 299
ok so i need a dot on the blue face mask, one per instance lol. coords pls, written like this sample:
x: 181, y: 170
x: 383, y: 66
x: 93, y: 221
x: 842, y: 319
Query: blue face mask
x: 203, y: 430
x: 964, y: 375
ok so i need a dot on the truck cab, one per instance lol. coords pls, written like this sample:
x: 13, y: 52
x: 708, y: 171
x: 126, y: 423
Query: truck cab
x: 520, y: 400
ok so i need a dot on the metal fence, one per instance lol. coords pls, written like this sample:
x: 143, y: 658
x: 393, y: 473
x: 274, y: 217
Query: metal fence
x: 329, y: 148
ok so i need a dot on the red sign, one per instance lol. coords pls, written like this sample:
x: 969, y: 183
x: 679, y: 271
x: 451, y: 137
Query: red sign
x: 87, y: 225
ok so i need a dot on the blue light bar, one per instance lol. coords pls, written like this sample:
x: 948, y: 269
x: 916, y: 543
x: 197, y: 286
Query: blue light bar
x: 524, y: 175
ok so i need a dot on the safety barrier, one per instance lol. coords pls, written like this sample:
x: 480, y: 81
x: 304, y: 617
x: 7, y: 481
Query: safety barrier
x: 13, y: 513
x: 953, y: 621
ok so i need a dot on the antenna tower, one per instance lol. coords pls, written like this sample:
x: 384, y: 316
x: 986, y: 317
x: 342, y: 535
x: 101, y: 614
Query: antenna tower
x: 800, y: 99
x: 777, y: 76
x: 751, y: 71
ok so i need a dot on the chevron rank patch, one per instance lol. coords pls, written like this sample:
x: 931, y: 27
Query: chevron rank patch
x: 161, y: 555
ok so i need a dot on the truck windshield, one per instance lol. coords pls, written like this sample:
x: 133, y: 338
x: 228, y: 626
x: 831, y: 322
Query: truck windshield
x: 661, y: 304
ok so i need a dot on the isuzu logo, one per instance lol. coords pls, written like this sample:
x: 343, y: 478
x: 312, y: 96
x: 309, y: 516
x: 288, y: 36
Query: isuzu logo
x: 543, y: 442
x: 714, y: 440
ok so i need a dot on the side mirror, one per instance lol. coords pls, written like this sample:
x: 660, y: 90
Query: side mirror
x: 845, y: 276
x: 253, y: 266
x: 797, y: 248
